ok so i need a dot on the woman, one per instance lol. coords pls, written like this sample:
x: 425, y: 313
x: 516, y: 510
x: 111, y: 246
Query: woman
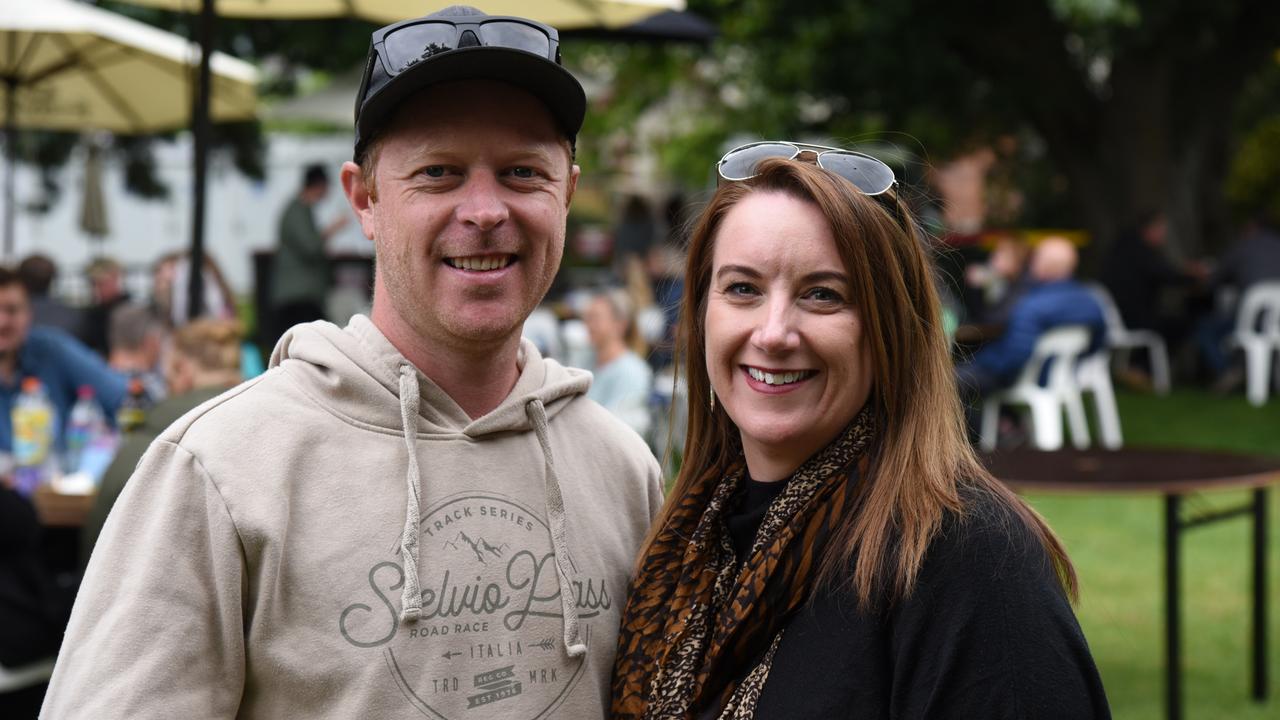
x: 622, y: 380
x: 832, y: 547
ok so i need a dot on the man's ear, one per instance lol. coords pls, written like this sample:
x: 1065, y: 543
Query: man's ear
x: 358, y: 196
x: 574, y: 173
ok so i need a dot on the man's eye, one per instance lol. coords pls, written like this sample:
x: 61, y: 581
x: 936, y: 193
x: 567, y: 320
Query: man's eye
x: 524, y: 173
x: 434, y: 171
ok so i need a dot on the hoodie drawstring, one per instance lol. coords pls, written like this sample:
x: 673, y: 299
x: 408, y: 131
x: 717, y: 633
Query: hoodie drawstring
x: 559, y: 535
x: 410, y: 597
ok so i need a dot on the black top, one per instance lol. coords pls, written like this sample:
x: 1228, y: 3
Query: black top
x: 987, y: 633
x: 751, y: 503
x: 32, y: 613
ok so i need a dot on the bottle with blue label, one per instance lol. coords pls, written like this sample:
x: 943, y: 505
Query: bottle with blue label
x: 32, y: 417
x: 86, y: 428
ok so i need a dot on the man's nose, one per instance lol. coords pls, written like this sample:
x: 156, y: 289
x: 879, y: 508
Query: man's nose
x: 482, y: 205
x: 776, y: 332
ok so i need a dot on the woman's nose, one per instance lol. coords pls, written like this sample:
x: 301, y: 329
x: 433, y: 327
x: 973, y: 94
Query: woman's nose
x: 776, y: 332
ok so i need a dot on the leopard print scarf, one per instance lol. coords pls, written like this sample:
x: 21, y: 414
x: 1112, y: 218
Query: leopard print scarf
x: 699, y: 630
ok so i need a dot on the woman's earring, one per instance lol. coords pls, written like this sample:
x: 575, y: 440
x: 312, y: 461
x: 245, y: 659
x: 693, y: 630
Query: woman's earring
x: 712, y: 392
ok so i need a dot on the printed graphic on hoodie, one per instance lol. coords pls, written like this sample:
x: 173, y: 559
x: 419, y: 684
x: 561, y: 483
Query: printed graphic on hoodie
x: 491, y: 631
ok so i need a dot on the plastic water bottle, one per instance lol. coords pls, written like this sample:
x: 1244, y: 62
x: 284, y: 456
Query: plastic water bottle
x: 85, y: 425
x: 133, y: 410
x: 32, y: 417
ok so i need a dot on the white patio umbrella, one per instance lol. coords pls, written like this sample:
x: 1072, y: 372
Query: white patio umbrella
x: 69, y: 66
x: 561, y: 14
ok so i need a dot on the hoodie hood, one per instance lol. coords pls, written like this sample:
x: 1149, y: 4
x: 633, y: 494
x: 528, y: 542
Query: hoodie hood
x: 358, y: 373
x: 363, y: 378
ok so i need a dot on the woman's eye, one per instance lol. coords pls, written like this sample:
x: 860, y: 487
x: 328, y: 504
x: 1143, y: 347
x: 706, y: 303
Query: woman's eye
x: 740, y: 289
x: 435, y: 171
x: 824, y: 295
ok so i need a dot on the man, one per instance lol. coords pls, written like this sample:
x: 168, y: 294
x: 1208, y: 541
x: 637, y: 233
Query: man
x: 414, y: 516
x: 106, y: 283
x: 1053, y: 299
x: 300, y: 273
x: 38, y: 273
x: 137, y: 337
x: 59, y: 361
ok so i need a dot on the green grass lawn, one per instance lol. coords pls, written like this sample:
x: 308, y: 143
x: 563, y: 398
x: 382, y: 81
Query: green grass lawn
x: 1116, y: 543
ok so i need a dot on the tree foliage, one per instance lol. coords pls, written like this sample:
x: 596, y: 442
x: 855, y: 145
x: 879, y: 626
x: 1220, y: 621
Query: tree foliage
x: 1133, y: 102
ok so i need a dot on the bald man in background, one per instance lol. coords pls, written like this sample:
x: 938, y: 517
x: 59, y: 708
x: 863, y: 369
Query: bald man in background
x: 1053, y: 300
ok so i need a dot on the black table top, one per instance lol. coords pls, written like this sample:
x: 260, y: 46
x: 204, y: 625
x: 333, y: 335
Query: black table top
x: 1130, y: 470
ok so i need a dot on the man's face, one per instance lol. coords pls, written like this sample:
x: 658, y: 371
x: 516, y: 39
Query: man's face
x: 107, y: 286
x: 15, y: 317
x: 473, y: 184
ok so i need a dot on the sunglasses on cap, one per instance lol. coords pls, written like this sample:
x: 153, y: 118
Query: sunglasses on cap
x: 404, y: 44
x: 869, y: 175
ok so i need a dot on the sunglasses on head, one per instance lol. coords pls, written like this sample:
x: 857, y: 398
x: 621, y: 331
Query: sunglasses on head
x: 868, y: 175
x: 404, y: 44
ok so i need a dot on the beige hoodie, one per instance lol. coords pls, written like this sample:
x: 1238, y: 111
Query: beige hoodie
x: 260, y: 562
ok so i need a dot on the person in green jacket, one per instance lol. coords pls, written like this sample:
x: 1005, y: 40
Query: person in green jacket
x: 300, y: 274
x: 203, y: 361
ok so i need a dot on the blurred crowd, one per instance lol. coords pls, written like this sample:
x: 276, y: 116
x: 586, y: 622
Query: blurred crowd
x: 1192, y: 305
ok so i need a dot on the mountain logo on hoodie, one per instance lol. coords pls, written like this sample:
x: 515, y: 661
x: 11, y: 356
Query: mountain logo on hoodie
x: 479, y: 546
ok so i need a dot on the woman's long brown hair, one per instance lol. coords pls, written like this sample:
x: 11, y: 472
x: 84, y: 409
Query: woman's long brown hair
x: 923, y: 457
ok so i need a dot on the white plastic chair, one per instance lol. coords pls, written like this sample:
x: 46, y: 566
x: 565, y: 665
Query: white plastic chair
x: 1093, y: 375
x: 1060, y: 348
x: 1258, y: 334
x: 1122, y: 339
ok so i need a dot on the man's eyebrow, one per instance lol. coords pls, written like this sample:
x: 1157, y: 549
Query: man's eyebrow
x: 441, y: 154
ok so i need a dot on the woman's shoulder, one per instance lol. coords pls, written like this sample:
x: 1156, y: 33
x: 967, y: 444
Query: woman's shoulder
x: 987, y: 544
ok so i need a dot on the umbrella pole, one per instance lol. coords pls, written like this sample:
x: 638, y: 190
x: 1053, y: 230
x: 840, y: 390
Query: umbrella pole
x: 11, y: 159
x: 200, y: 142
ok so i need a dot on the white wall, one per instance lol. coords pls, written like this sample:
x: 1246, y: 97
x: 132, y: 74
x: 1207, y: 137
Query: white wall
x: 240, y: 214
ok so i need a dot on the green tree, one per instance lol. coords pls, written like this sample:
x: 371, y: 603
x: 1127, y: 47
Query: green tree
x: 1133, y: 100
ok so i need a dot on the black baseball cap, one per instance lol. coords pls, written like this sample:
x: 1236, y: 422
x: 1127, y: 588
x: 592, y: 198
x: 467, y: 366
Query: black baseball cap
x: 464, y: 43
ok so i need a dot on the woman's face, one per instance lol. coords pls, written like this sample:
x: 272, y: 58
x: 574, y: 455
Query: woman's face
x: 783, y: 340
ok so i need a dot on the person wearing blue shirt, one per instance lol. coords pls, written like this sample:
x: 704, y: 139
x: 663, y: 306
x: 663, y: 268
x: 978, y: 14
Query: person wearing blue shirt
x: 1054, y: 299
x: 59, y: 361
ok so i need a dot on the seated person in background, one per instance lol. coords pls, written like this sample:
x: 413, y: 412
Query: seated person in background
x: 1052, y: 300
x: 1138, y: 272
x: 137, y: 337
x: 1003, y: 280
x: 1253, y: 258
x: 38, y: 273
x: 59, y: 361
x: 106, y: 284
x: 203, y: 361
x: 623, y: 380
